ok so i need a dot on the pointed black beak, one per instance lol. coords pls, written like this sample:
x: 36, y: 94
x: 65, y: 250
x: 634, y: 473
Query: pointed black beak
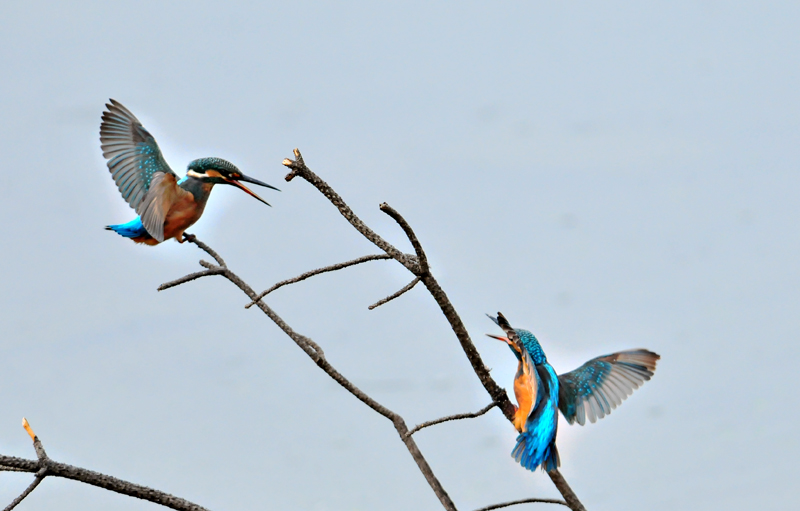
x: 256, y: 182
x: 237, y: 184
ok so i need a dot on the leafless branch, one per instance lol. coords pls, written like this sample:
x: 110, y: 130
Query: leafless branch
x: 36, y: 480
x: 205, y: 248
x: 523, y: 501
x: 189, y: 278
x: 566, y: 492
x: 417, y: 265
x: 311, y: 273
x: 299, y: 168
x: 497, y: 393
x: 315, y: 353
x: 394, y: 295
x: 412, y: 237
x: 44, y: 467
x: 456, y: 417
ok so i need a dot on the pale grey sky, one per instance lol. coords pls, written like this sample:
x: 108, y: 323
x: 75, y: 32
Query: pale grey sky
x: 610, y: 175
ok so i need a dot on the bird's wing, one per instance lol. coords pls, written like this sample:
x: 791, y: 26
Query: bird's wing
x: 599, y: 385
x: 137, y: 166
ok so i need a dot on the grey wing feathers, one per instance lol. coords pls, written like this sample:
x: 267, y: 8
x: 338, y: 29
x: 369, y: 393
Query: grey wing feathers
x: 134, y: 160
x: 601, y: 384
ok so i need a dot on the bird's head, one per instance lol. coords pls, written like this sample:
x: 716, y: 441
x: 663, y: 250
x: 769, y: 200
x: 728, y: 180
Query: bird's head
x: 512, y: 338
x: 223, y: 172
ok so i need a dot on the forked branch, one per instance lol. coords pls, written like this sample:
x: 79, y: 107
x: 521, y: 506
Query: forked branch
x: 315, y: 353
x: 420, y: 268
x: 45, y: 467
x: 455, y: 417
x: 308, y: 274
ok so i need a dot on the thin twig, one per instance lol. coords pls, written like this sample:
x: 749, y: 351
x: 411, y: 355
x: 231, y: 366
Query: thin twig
x: 36, y: 480
x: 394, y: 295
x: 456, y: 417
x: 523, y: 501
x: 421, y: 257
x: 311, y: 273
x: 189, y: 278
x: 299, y: 168
x: 208, y: 250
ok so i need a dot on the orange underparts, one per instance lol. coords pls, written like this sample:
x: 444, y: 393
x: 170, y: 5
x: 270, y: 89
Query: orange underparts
x: 147, y: 240
x: 522, y: 391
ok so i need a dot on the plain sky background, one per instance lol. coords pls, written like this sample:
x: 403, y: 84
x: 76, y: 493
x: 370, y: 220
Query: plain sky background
x: 610, y: 175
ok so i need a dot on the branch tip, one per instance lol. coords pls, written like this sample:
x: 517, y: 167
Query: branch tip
x: 28, y: 428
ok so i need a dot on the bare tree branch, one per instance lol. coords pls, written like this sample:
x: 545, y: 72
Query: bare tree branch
x: 566, y: 491
x: 44, y: 466
x: 299, y: 168
x: 456, y: 417
x: 189, y: 278
x: 102, y: 481
x: 394, y: 295
x: 311, y: 273
x: 36, y: 480
x: 412, y: 237
x: 523, y: 501
x: 497, y: 393
x: 205, y: 248
x: 315, y: 353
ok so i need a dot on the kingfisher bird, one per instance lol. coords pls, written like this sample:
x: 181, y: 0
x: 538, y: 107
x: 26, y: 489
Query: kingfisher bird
x: 590, y: 391
x: 166, y: 205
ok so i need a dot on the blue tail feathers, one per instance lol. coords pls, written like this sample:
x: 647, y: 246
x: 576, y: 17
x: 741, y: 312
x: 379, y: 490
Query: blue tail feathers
x: 530, y: 452
x: 132, y: 229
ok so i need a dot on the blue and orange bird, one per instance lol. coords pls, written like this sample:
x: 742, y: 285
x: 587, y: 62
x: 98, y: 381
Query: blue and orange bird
x: 590, y: 391
x: 166, y: 205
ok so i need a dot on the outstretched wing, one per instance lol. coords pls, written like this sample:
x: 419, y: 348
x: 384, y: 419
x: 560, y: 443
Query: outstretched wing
x: 142, y: 175
x: 599, y: 385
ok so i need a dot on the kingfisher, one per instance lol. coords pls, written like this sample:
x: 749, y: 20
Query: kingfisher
x: 166, y: 205
x: 590, y: 391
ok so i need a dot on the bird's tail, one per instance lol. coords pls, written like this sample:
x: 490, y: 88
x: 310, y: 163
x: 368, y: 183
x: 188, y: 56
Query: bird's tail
x: 132, y: 229
x: 530, y: 452
x: 551, y: 460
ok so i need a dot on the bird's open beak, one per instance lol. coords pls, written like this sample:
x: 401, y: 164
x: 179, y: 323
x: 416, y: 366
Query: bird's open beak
x: 237, y: 184
x: 507, y: 341
x: 504, y: 339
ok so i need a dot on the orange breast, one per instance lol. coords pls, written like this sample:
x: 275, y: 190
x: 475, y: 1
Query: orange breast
x: 182, y: 215
x: 524, y: 393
